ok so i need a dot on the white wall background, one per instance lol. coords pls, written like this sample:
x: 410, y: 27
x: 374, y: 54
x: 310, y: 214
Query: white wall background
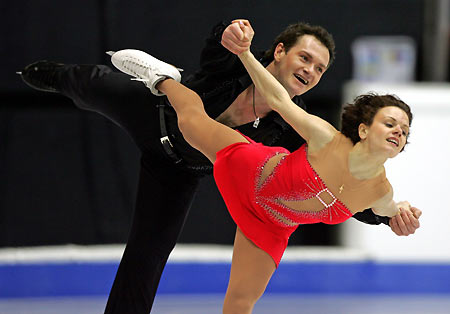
x: 420, y: 175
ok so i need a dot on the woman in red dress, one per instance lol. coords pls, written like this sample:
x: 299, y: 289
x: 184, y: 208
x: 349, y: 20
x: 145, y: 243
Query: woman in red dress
x: 270, y: 191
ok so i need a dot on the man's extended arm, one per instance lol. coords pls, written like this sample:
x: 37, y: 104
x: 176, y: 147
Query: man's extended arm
x: 217, y: 64
x: 404, y: 224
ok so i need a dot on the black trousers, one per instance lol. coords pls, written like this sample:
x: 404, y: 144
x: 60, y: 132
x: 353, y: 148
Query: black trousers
x: 165, y: 191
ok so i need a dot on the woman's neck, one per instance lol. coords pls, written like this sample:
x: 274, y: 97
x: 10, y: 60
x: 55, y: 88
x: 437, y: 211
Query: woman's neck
x: 364, y: 165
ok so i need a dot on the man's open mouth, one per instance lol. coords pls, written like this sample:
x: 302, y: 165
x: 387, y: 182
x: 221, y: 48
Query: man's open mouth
x: 301, y: 79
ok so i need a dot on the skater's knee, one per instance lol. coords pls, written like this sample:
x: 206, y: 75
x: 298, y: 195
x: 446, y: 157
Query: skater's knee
x: 238, y: 306
x: 189, y: 120
x: 239, y: 302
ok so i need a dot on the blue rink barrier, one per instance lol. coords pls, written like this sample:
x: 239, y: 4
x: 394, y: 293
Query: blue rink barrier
x: 86, y: 277
x: 77, y: 279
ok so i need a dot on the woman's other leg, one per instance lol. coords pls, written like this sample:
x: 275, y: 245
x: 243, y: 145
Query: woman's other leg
x: 251, y: 270
x: 199, y: 130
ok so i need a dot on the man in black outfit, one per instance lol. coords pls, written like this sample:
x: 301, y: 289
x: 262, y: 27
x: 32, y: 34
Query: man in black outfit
x: 165, y: 193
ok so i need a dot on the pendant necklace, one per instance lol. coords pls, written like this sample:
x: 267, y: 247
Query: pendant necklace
x: 341, y: 188
x: 256, y: 123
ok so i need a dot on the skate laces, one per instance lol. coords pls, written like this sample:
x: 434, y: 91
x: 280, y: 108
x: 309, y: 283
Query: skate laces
x: 135, y: 66
x: 138, y: 68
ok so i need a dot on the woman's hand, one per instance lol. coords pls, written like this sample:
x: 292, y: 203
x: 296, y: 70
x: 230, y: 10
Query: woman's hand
x: 237, y: 37
x: 406, y: 222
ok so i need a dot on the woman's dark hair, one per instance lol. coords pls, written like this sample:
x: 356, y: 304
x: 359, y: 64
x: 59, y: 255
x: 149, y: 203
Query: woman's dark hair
x: 363, y: 110
x: 293, y: 32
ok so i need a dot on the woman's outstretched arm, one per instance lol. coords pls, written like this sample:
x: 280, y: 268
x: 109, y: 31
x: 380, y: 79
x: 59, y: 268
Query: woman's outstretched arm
x: 386, y: 206
x: 275, y: 94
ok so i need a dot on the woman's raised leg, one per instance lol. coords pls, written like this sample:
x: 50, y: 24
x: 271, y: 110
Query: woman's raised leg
x: 199, y: 130
x: 251, y: 270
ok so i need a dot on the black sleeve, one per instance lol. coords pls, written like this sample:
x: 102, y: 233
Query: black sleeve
x: 368, y: 217
x: 215, y: 59
x: 217, y: 64
x: 289, y: 139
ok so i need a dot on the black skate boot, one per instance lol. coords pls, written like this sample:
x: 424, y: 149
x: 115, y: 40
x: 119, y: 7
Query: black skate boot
x: 42, y: 75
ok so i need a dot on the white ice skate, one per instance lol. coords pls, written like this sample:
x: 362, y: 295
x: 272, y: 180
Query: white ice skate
x: 144, y: 68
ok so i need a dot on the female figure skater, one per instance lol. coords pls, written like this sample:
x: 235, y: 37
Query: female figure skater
x: 270, y: 191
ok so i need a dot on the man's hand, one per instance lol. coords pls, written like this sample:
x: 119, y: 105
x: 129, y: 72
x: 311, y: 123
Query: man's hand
x: 237, y: 37
x: 406, y: 221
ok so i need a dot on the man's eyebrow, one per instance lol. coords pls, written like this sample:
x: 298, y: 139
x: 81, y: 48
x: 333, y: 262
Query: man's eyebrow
x: 312, y: 57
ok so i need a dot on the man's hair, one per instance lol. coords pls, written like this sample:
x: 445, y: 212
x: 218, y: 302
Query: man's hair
x: 293, y: 32
x: 363, y: 110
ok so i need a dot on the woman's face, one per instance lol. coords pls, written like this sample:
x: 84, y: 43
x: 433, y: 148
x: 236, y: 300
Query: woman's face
x: 388, y: 131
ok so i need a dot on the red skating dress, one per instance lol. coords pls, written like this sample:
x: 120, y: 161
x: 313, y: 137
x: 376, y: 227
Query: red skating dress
x: 300, y: 189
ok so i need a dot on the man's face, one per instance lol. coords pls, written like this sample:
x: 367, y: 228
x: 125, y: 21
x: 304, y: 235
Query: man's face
x: 301, y: 68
